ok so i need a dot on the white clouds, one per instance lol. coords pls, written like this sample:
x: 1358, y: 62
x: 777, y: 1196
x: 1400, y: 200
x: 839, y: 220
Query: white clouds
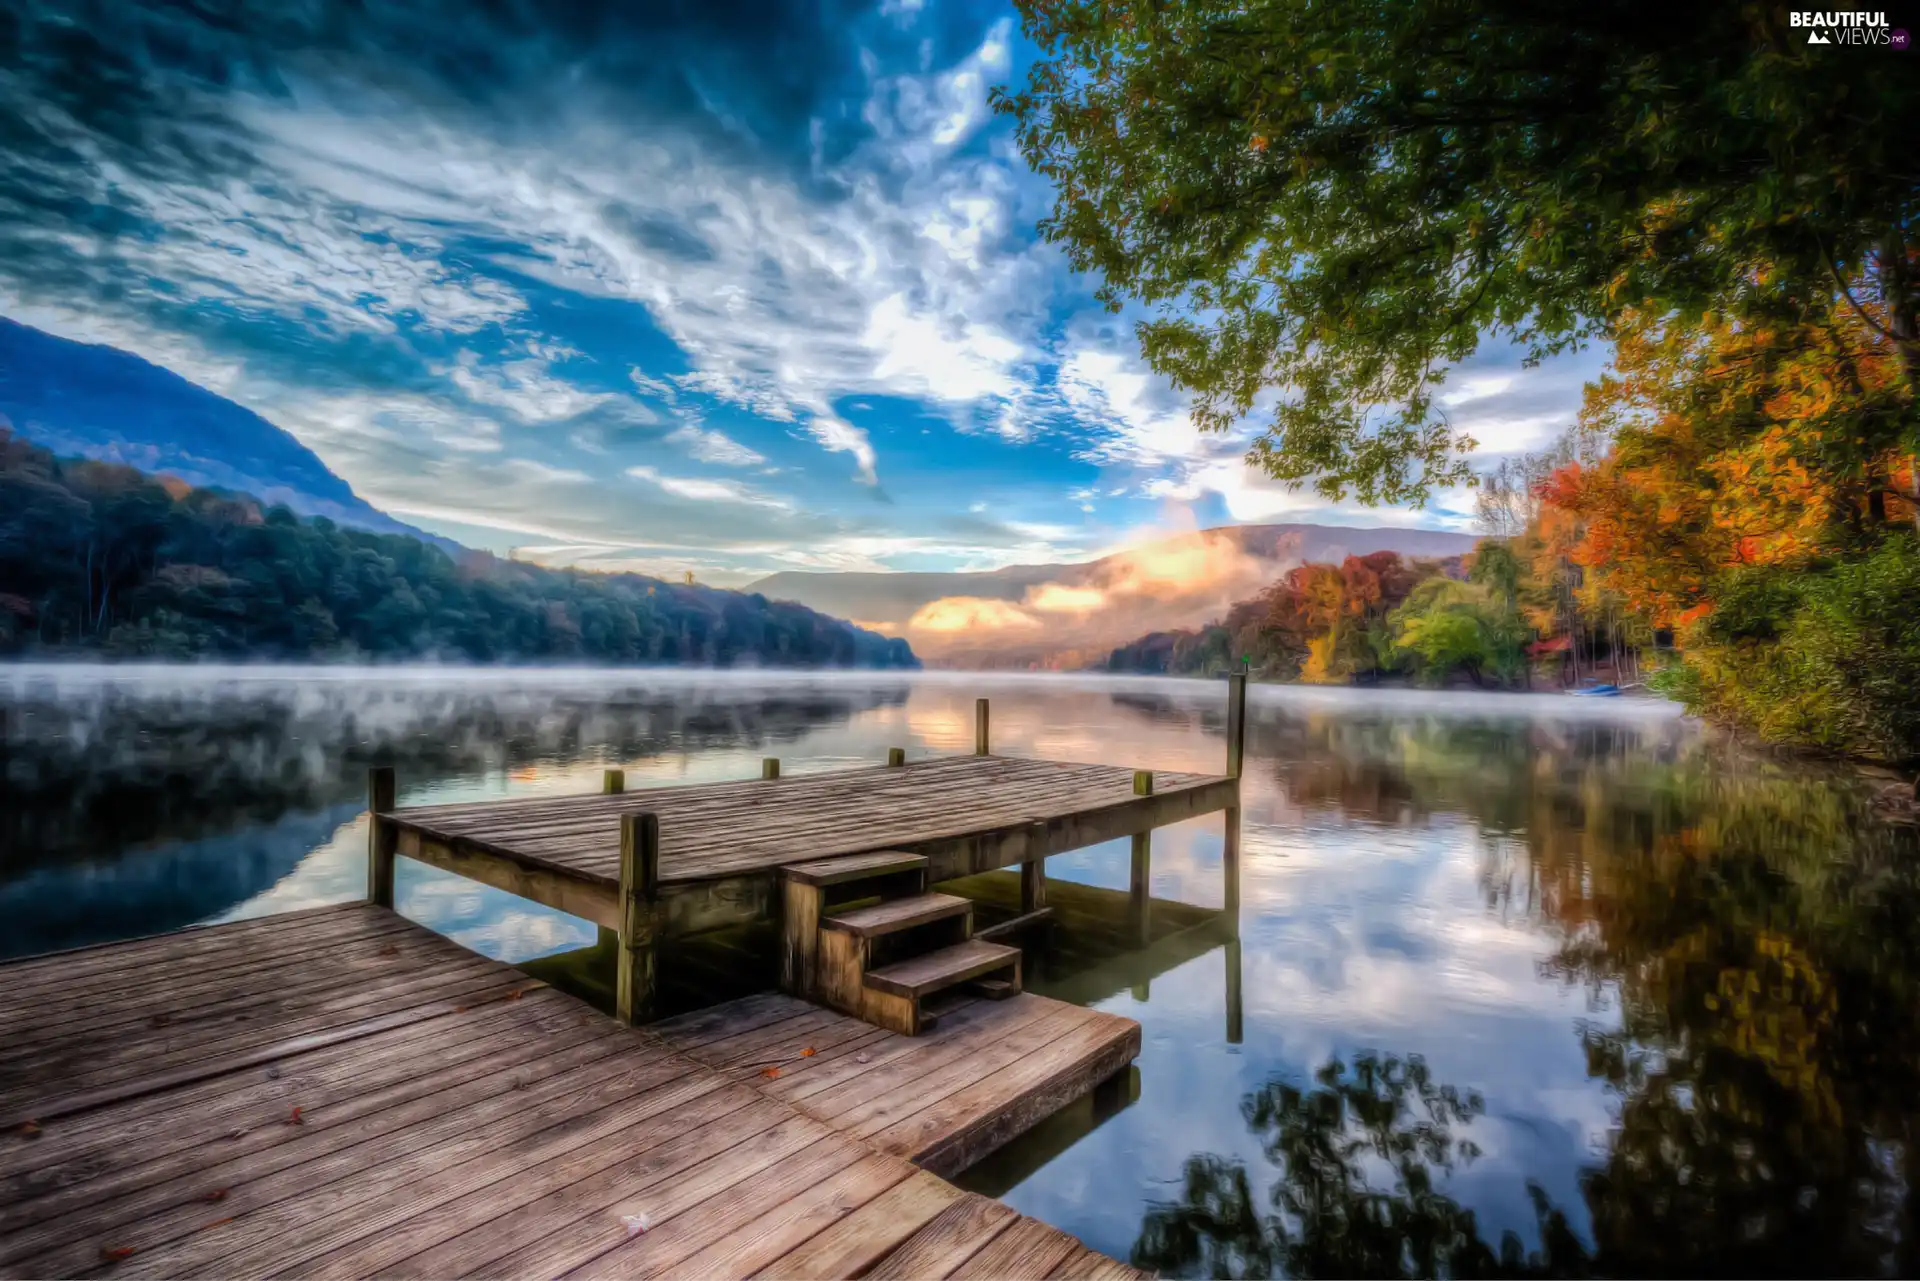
x: 714, y: 447
x: 701, y: 489
x: 527, y: 390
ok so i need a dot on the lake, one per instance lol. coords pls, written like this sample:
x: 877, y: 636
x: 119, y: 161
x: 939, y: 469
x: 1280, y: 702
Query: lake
x: 1523, y: 984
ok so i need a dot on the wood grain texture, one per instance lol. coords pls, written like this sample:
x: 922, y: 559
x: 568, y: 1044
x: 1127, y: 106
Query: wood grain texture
x: 393, y: 1105
x: 957, y: 810
x: 987, y: 1073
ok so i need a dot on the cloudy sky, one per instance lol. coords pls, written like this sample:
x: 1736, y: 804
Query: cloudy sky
x: 718, y: 285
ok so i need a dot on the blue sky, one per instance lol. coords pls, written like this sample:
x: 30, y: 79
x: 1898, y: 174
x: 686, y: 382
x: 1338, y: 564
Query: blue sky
x: 727, y: 287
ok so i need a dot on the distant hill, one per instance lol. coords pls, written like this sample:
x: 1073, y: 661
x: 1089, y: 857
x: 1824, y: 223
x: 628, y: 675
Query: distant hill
x: 1072, y: 615
x: 87, y: 401
x: 100, y: 557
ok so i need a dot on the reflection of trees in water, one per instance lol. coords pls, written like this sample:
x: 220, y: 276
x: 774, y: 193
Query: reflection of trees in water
x: 1381, y: 1120
x: 1763, y: 944
x: 70, y: 904
x: 91, y: 766
x: 1749, y: 935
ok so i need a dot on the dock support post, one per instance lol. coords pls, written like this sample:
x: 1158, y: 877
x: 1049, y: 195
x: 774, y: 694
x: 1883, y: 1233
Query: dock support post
x: 636, y: 983
x: 896, y: 757
x: 1236, y: 723
x: 382, y: 838
x: 1236, y: 760
x: 613, y: 782
x: 1235, y: 1027
x: 1139, y: 882
x: 769, y: 767
x: 980, y: 727
x: 1033, y: 884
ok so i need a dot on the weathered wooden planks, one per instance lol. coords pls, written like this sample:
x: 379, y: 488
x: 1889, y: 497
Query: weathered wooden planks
x: 392, y: 1105
x: 987, y: 1073
x: 966, y: 813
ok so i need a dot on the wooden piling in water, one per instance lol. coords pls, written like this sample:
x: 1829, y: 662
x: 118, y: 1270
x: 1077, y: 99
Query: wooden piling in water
x: 382, y: 837
x: 613, y: 782
x: 769, y: 767
x: 980, y: 740
x: 1236, y: 1028
x: 1142, y: 871
x: 1236, y: 723
x: 637, y: 981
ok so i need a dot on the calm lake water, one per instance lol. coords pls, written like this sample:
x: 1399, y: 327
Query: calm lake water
x: 1524, y: 984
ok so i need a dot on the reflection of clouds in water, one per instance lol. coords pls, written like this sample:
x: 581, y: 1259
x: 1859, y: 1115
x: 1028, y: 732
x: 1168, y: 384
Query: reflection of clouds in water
x: 491, y: 922
x: 1371, y: 823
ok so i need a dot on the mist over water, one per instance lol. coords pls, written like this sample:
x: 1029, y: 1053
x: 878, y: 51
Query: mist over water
x: 1579, y: 971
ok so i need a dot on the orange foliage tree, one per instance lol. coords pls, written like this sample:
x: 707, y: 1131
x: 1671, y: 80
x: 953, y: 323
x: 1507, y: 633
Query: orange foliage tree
x: 1734, y: 445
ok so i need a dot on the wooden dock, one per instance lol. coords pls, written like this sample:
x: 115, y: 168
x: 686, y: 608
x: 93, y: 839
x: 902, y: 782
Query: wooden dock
x: 662, y: 862
x: 342, y: 1093
x: 986, y: 1074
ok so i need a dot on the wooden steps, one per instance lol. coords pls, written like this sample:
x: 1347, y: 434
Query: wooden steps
x: 854, y: 867
x: 890, y: 947
x: 950, y: 966
x: 889, y: 916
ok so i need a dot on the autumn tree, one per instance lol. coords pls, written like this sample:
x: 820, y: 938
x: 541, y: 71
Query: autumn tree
x: 1340, y: 201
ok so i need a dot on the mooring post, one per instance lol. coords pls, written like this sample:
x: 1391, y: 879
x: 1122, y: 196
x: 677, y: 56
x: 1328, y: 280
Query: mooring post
x: 382, y: 836
x: 1236, y: 723
x: 769, y: 767
x: 979, y: 727
x: 1137, y: 887
x: 613, y: 782
x: 896, y: 757
x: 637, y: 979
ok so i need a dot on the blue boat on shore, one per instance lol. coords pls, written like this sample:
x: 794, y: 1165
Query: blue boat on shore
x: 1596, y: 691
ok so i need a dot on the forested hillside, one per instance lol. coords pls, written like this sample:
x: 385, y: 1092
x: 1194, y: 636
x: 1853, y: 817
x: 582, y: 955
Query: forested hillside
x: 101, y: 557
x: 1362, y: 619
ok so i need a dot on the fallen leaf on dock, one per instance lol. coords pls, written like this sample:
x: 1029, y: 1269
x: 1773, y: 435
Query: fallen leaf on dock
x: 294, y: 1119
x: 115, y: 1253
x: 238, y: 1131
x: 218, y: 1194
x: 635, y: 1224
x: 769, y: 1072
x: 863, y: 1058
x: 808, y: 1053
x: 391, y: 949
x: 29, y: 1129
x: 516, y: 994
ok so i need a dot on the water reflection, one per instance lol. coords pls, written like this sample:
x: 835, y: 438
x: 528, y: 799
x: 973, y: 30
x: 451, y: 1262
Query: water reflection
x: 1520, y: 985
x: 1361, y: 1155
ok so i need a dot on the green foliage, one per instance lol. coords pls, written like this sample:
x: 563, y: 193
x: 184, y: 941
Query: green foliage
x: 1447, y: 626
x: 99, y: 557
x: 1339, y: 200
x: 1826, y: 657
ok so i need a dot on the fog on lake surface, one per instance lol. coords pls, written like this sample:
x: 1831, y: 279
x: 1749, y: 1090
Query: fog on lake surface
x: 1524, y: 983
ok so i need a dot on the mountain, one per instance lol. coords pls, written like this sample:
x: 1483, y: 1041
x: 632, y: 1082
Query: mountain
x: 1071, y: 615
x: 86, y: 401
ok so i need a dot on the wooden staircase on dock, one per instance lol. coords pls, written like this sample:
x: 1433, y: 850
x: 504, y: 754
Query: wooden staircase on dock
x: 862, y: 934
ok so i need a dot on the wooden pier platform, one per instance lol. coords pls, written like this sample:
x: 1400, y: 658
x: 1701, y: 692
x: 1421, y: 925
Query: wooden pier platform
x: 720, y: 844
x: 666, y: 862
x: 987, y: 1073
x: 342, y: 1093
